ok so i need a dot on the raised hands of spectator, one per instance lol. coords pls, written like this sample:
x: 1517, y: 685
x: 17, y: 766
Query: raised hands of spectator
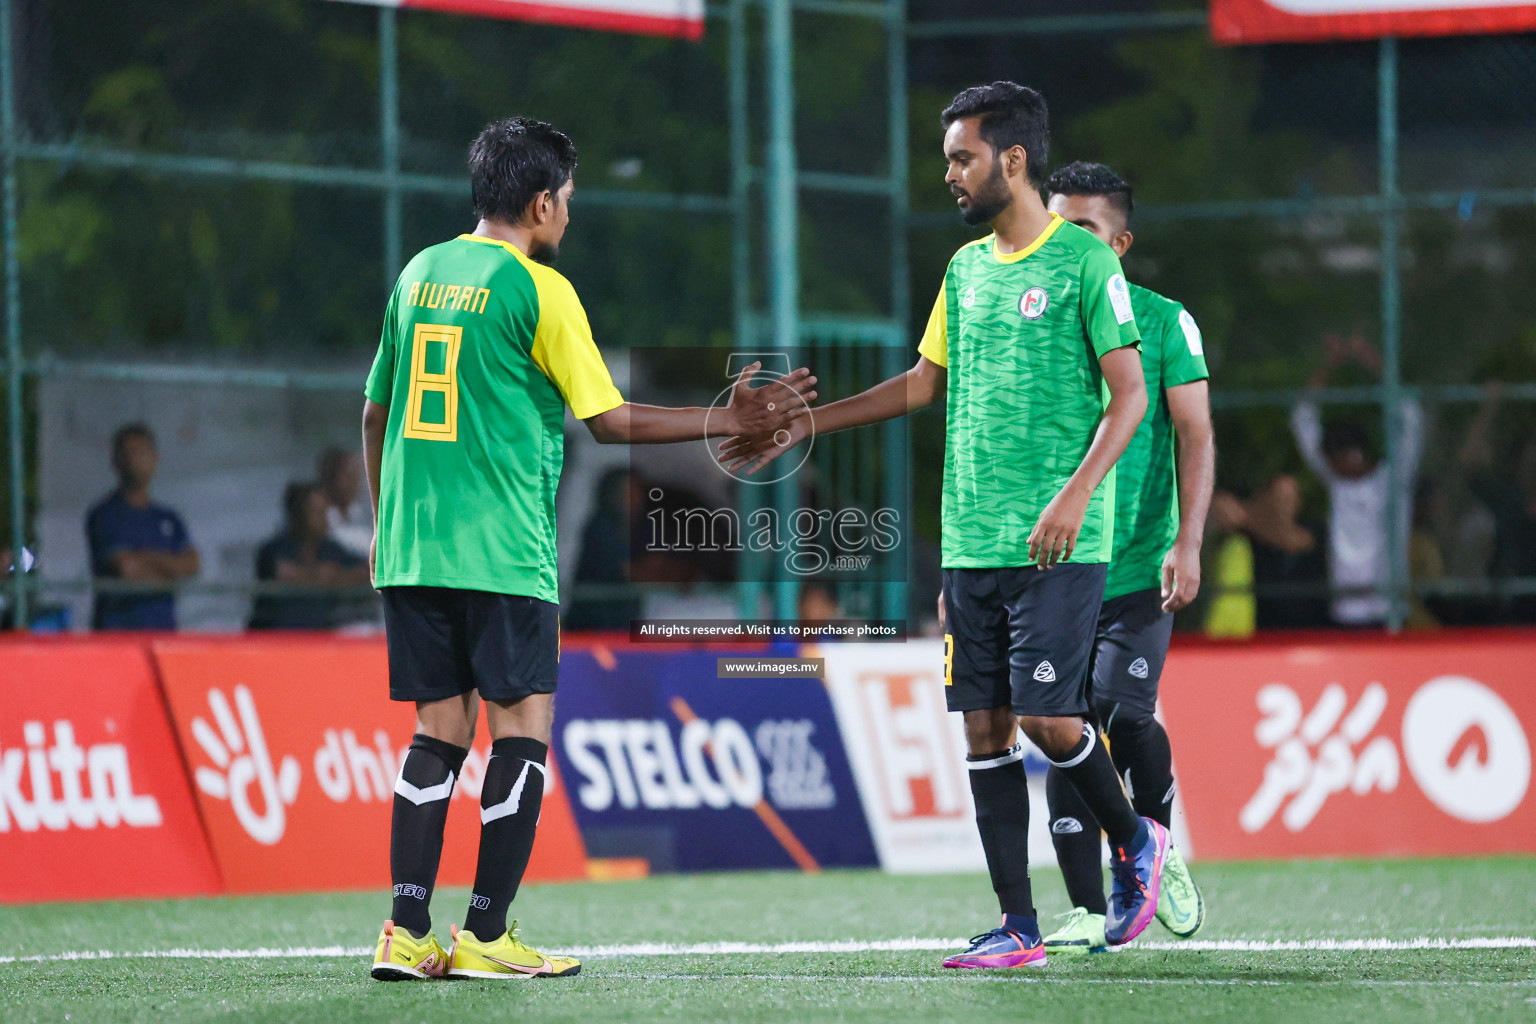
x: 1367, y: 355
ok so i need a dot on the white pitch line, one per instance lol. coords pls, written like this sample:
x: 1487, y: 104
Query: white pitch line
x: 851, y: 946
x: 1028, y: 977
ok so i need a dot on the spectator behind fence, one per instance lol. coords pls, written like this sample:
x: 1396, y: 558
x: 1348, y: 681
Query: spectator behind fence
x: 1230, y: 609
x: 1359, y: 491
x: 136, y: 541
x: 615, y: 529
x: 1508, y: 488
x: 348, y: 516
x: 303, y: 555
x: 1289, y: 568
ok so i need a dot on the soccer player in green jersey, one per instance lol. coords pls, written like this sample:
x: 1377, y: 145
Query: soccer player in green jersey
x: 483, y: 347
x: 1032, y: 340
x: 1162, y: 493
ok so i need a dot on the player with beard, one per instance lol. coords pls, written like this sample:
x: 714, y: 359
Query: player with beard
x: 1033, y: 343
x: 484, y: 345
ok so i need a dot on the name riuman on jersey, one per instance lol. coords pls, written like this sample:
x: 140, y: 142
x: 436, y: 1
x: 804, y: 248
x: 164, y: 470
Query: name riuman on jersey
x: 448, y: 296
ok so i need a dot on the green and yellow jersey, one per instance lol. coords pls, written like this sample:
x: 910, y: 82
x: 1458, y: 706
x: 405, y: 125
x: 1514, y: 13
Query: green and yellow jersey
x: 481, y: 351
x: 1146, y: 488
x: 1021, y: 335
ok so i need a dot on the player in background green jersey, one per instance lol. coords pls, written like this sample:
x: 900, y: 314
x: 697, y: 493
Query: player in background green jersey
x: 1163, y: 491
x: 483, y: 347
x: 1033, y: 343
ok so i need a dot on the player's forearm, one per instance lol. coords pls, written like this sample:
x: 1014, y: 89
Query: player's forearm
x: 1121, y: 418
x: 632, y: 423
x: 887, y: 400
x: 375, y: 420
x: 1197, y: 480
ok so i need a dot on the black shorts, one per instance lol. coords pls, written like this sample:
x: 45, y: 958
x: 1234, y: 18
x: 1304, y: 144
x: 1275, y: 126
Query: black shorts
x: 1129, y: 651
x: 1021, y: 638
x: 445, y: 642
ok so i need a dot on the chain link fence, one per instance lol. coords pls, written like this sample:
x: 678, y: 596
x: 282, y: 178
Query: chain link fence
x: 205, y: 212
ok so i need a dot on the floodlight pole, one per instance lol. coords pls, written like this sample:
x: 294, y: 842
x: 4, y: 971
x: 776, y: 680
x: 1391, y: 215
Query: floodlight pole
x: 1391, y: 334
x: 783, y: 241
x: 749, y: 588
x: 898, y: 451
x: 389, y: 144
x: 14, y: 383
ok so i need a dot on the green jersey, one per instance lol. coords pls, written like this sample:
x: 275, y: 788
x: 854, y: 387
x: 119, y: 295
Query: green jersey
x: 1146, y: 490
x: 1021, y: 335
x: 481, y: 350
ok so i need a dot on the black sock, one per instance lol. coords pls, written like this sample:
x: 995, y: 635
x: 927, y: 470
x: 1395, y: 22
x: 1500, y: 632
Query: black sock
x: 509, y: 813
x: 1002, y: 818
x: 422, y: 791
x: 1075, y: 834
x: 1139, y: 745
x: 1088, y: 767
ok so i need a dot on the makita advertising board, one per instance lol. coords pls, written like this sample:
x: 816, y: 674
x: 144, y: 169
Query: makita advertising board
x: 693, y: 773
x: 94, y: 801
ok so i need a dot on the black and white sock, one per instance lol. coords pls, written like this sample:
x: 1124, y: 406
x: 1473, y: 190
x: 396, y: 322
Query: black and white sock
x: 1139, y: 745
x: 1002, y: 818
x: 1079, y: 845
x: 422, y: 792
x: 1088, y: 767
x: 509, y: 813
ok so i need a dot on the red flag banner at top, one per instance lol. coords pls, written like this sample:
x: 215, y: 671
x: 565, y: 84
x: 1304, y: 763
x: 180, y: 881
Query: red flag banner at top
x: 1284, y: 21
x: 682, y: 18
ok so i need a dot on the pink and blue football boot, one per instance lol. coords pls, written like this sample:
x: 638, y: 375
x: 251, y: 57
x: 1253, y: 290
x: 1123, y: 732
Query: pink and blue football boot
x: 1001, y: 948
x: 1137, y: 875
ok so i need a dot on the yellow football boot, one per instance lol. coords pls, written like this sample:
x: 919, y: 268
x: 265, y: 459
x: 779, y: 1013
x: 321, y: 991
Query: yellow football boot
x: 505, y: 958
x: 400, y: 955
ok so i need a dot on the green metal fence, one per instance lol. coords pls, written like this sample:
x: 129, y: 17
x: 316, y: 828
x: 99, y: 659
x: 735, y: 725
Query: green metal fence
x: 763, y: 199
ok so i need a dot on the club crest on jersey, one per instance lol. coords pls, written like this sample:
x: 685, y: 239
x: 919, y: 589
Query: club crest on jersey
x: 1034, y: 303
x: 968, y: 297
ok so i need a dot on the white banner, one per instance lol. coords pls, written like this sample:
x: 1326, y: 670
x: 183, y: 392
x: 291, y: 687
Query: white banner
x: 908, y: 757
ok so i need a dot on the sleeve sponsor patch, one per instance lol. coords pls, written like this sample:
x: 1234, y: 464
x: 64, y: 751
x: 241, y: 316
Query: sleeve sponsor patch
x: 1120, y: 299
x: 1191, y: 333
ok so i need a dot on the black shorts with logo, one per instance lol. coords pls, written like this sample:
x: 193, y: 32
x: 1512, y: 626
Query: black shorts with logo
x: 1130, y: 649
x: 1020, y: 637
x: 444, y: 642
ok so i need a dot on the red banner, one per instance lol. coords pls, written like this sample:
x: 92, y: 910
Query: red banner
x: 684, y: 18
x: 294, y: 745
x: 1280, y: 21
x: 1365, y: 748
x: 94, y: 801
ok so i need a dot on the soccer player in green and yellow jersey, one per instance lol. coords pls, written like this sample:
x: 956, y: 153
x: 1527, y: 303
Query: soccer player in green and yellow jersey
x: 1163, y: 491
x: 1033, y: 341
x: 484, y: 346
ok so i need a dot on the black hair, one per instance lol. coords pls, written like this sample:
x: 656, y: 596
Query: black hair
x: 1011, y: 115
x: 330, y: 463
x: 1343, y: 434
x: 296, y: 502
x: 512, y: 160
x: 126, y: 433
x: 1085, y: 179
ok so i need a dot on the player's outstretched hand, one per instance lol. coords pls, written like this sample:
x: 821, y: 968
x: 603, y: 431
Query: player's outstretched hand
x: 1055, y: 534
x: 750, y: 454
x: 754, y: 412
x: 1181, y: 576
